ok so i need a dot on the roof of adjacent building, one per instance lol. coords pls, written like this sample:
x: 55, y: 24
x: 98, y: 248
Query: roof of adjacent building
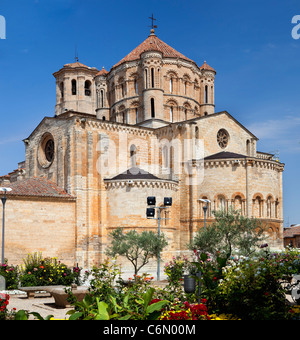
x: 292, y: 231
x: 153, y: 43
x: 225, y: 155
x: 134, y: 173
x: 38, y: 187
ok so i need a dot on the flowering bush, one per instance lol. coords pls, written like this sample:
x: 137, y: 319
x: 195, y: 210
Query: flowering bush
x: 175, y: 270
x: 103, y: 278
x: 4, y: 301
x: 139, y: 282
x: 284, y: 263
x: 10, y: 274
x: 186, y: 311
x: 38, y: 271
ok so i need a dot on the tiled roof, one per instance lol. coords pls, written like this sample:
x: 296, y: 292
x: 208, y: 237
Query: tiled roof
x: 103, y: 72
x: 39, y: 187
x: 74, y: 65
x: 152, y: 43
x: 291, y: 232
x: 225, y: 155
x: 134, y: 173
x: 207, y: 67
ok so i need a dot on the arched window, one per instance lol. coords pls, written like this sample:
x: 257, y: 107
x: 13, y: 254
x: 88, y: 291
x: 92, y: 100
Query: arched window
x: 171, y: 114
x: 152, y: 77
x: 146, y: 79
x: 122, y: 90
x: 257, y: 206
x: 87, y: 88
x: 248, y: 147
x: 103, y: 118
x: 137, y: 115
x: 101, y: 98
x: 62, y: 89
x: 171, y: 85
x: 196, y: 132
x: 206, y: 94
x: 152, y: 108
x: 133, y: 156
x: 238, y: 203
x: 269, y: 207
x: 74, y: 87
x: 136, y: 86
x: 185, y: 87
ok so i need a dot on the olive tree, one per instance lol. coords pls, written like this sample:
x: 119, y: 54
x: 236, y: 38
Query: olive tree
x: 230, y: 233
x: 138, y: 248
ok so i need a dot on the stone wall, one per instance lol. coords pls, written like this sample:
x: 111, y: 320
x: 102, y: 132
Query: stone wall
x: 43, y: 225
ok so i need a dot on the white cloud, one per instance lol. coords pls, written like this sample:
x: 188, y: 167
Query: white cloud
x: 283, y: 134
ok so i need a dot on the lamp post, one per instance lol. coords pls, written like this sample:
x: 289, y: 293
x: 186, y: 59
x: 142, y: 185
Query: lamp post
x: 205, y: 207
x: 3, y: 199
x: 150, y: 213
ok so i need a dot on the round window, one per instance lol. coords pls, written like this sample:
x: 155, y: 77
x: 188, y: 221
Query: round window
x: 46, y: 151
x: 49, y: 150
x: 223, y: 138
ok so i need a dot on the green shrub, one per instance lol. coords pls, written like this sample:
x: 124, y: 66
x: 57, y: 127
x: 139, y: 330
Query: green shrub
x: 252, y: 290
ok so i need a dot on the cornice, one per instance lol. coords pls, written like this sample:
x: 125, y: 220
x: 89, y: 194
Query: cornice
x: 141, y: 183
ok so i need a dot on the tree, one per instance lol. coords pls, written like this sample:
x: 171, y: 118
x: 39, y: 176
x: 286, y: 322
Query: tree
x: 137, y: 248
x: 231, y: 232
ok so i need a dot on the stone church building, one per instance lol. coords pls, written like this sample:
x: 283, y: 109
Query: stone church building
x: 147, y: 127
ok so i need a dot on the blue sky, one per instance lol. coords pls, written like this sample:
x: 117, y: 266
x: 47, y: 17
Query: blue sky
x: 249, y: 43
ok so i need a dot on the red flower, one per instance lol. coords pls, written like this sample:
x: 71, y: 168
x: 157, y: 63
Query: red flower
x: 154, y: 301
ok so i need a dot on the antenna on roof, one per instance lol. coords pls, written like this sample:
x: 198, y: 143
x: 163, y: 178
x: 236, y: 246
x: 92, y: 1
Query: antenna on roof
x: 76, y: 54
x: 152, y: 25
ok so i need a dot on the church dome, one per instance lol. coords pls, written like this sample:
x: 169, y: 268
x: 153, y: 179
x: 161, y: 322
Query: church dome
x: 153, y: 43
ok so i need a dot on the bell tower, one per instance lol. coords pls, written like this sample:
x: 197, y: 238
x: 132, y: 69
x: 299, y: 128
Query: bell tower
x: 207, y: 90
x: 152, y: 75
x: 102, y: 106
x: 75, y: 89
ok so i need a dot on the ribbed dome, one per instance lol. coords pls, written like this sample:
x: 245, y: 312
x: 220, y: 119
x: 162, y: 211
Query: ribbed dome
x: 152, y: 43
